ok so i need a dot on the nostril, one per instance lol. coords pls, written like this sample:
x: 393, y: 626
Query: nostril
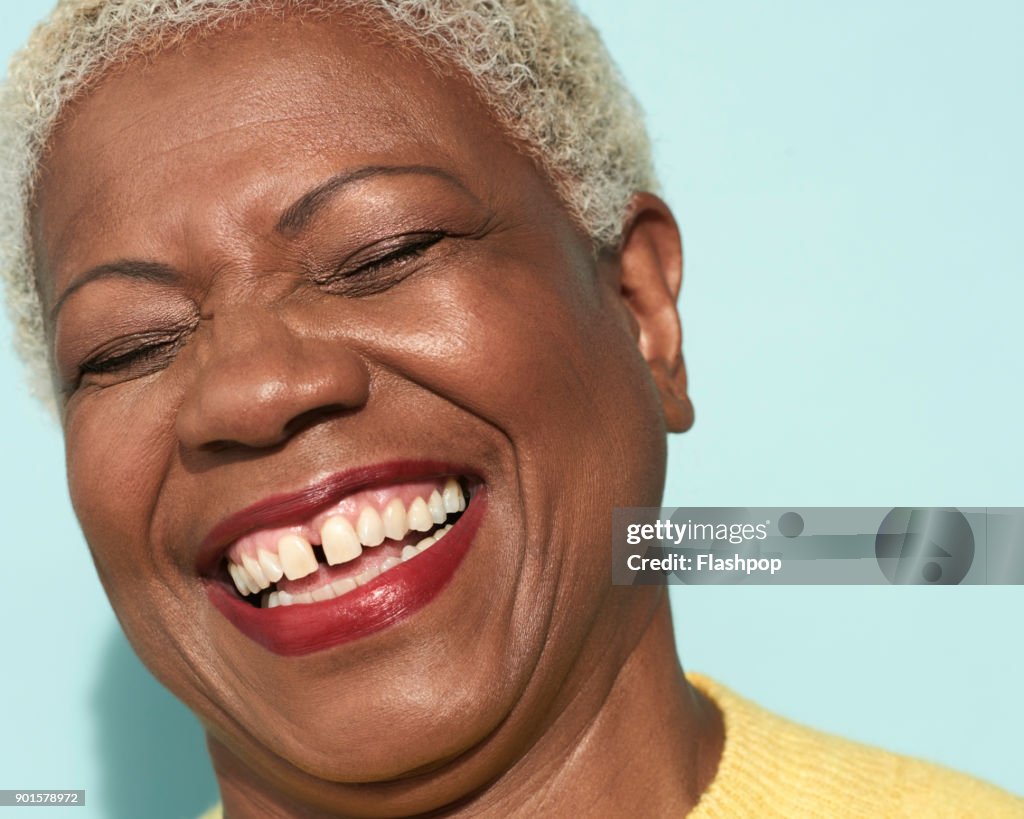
x: 313, y: 417
x: 296, y: 425
x: 214, y: 447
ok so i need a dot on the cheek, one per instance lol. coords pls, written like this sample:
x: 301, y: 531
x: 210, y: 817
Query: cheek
x: 534, y: 347
x: 116, y: 450
x: 563, y: 377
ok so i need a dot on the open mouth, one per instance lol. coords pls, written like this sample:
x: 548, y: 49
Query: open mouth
x: 354, y: 553
x: 345, y: 546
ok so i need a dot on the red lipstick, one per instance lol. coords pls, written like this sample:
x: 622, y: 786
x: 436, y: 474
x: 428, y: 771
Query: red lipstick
x: 281, y: 510
x: 300, y: 629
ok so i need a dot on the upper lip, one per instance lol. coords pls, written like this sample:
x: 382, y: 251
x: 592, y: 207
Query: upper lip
x: 294, y: 507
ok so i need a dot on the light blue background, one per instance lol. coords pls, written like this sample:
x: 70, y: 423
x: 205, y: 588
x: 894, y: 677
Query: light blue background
x: 849, y: 180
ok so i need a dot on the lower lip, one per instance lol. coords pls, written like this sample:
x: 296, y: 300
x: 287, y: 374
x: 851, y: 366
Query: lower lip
x: 387, y: 599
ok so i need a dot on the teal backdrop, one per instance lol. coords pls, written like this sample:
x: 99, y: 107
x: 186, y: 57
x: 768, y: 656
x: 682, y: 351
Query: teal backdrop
x: 849, y: 180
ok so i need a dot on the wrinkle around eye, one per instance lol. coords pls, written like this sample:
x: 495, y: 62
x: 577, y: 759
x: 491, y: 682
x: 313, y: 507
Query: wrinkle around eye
x: 130, y: 358
x: 114, y: 325
x: 380, y: 266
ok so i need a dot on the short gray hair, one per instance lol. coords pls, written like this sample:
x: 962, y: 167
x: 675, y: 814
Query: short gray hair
x: 538, y: 65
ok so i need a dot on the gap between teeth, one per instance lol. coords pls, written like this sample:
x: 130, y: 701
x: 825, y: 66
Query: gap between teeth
x: 343, y: 542
x: 329, y: 591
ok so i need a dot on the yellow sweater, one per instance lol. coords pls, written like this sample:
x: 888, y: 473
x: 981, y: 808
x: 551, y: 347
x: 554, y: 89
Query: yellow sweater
x: 772, y: 767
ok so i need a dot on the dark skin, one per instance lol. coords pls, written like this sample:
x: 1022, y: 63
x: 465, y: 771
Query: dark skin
x: 446, y: 307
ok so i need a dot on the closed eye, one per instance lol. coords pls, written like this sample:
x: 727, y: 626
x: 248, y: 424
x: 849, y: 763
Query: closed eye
x: 128, y: 358
x: 380, y: 266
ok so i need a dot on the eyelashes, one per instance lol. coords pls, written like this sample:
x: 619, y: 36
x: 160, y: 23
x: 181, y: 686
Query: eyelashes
x: 129, y: 358
x: 380, y: 266
x: 119, y: 361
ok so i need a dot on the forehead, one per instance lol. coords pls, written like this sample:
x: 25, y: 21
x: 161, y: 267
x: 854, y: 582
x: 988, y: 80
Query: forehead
x: 247, y: 118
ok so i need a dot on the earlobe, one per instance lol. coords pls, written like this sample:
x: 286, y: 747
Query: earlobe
x: 651, y: 264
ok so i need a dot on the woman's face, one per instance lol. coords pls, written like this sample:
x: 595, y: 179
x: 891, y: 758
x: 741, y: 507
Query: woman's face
x: 293, y: 274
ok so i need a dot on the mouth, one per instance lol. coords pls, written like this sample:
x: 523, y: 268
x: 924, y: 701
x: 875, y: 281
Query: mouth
x: 337, y: 562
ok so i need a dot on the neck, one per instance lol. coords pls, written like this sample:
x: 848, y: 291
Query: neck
x: 647, y: 745
x: 640, y: 742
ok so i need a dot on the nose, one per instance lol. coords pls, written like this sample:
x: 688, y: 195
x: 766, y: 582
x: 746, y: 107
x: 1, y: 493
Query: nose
x: 258, y: 382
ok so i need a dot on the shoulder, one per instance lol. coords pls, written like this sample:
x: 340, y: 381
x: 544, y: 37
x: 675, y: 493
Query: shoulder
x: 771, y: 766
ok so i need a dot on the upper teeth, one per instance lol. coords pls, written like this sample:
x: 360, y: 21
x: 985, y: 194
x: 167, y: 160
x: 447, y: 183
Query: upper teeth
x: 343, y: 540
x: 341, y: 543
x: 419, y: 518
x: 297, y: 558
x: 331, y: 589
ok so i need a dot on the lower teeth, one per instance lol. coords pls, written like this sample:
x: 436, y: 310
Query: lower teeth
x: 271, y: 598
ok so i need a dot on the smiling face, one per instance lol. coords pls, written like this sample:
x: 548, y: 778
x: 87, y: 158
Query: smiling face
x: 296, y: 279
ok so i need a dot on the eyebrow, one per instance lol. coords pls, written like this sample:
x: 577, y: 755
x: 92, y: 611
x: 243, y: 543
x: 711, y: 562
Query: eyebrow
x: 300, y: 213
x: 155, y: 272
x: 294, y: 218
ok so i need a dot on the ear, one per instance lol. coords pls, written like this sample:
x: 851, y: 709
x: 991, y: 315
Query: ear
x: 651, y: 265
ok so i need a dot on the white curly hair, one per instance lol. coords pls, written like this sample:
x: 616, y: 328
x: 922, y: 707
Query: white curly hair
x: 538, y: 65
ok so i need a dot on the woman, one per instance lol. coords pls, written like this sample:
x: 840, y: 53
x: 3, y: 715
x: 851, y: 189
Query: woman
x: 361, y: 318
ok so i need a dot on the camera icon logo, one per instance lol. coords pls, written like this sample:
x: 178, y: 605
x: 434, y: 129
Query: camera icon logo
x: 924, y: 546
